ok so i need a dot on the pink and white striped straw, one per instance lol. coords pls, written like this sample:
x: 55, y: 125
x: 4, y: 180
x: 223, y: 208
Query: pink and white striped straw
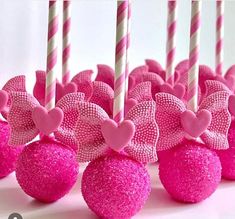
x: 66, y: 41
x: 219, y: 57
x: 51, y: 55
x: 128, y: 47
x: 171, y: 40
x: 120, y: 61
x: 194, y: 55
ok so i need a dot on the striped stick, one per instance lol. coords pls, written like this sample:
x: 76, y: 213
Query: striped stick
x: 194, y: 55
x: 51, y: 55
x: 171, y: 38
x: 120, y: 61
x: 219, y: 57
x: 66, y: 41
x: 128, y: 47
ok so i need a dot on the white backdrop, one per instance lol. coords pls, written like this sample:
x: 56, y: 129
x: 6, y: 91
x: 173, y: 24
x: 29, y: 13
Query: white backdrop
x: 23, y: 34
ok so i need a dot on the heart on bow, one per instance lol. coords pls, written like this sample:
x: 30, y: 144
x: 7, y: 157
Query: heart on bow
x: 195, y: 124
x: 231, y: 104
x: 47, y: 122
x: 62, y: 90
x: 117, y: 136
x: 3, y: 100
x: 178, y: 90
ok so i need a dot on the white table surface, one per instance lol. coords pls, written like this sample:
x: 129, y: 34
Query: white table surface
x: 221, y: 205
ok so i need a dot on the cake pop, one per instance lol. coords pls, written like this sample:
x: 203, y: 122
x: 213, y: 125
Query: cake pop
x: 116, y: 184
x: 179, y: 168
x: 53, y: 167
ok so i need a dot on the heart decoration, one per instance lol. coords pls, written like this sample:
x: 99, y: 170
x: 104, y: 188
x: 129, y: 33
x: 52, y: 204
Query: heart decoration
x: 117, y: 136
x: 3, y: 100
x: 47, y: 122
x: 195, y: 124
x: 62, y: 90
x: 177, y: 90
x: 231, y: 104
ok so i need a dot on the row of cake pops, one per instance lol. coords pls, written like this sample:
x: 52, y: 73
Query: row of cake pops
x: 115, y: 183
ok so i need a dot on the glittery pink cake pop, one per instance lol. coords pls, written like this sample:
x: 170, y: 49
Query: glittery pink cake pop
x: 46, y: 169
x: 227, y: 157
x: 8, y: 154
x: 116, y: 184
x: 190, y: 171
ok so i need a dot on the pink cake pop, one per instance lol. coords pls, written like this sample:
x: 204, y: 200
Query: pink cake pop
x: 8, y: 154
x: 116, y: 185
x: 46, y: 169
x: 179, y: 168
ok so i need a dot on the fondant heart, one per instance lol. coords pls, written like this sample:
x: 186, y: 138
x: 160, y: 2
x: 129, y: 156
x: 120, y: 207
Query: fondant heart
x: 178, y: 90
x: 47, y: 122
x: 195, y: 124
x: 231, y: 104
x: 3, y: 100
x: 117, y: 136
x: 129, y: 104
x: 62, y: 90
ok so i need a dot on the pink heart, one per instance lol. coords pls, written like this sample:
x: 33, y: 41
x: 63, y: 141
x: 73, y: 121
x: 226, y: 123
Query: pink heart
x: 62, y: 90
x: 194, y: 124
x: 47, y: 122
x: 178, y: 90
x: 129, y: 104
x: 231, y: 104
x: 117, y: 136
x: 3, y: 100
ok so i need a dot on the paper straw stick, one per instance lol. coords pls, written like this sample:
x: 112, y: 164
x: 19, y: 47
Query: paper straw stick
x: 66, y: 41
x: 219, y: 57
x: 51, y: 55
x: 194, y: 55
x: 120, y: 61
x: 128, y: 47
x: 171, y: 38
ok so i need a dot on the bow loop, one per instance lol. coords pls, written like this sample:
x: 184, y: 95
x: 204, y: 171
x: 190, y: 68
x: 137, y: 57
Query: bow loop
x: 88, y: 131
x: 83, y: 80
x: 215, y: 136
x: 68, y: 104
x: 168, y: 118
x: 23, y: 129
x: 142, y: 92
x: 143, y: 145
x: 15, y: 84
x: 105, y: 74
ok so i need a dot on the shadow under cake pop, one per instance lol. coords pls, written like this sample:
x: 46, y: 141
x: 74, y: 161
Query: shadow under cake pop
x: 46, y: 169
x: 116, y: 184
x: 190, y: 171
